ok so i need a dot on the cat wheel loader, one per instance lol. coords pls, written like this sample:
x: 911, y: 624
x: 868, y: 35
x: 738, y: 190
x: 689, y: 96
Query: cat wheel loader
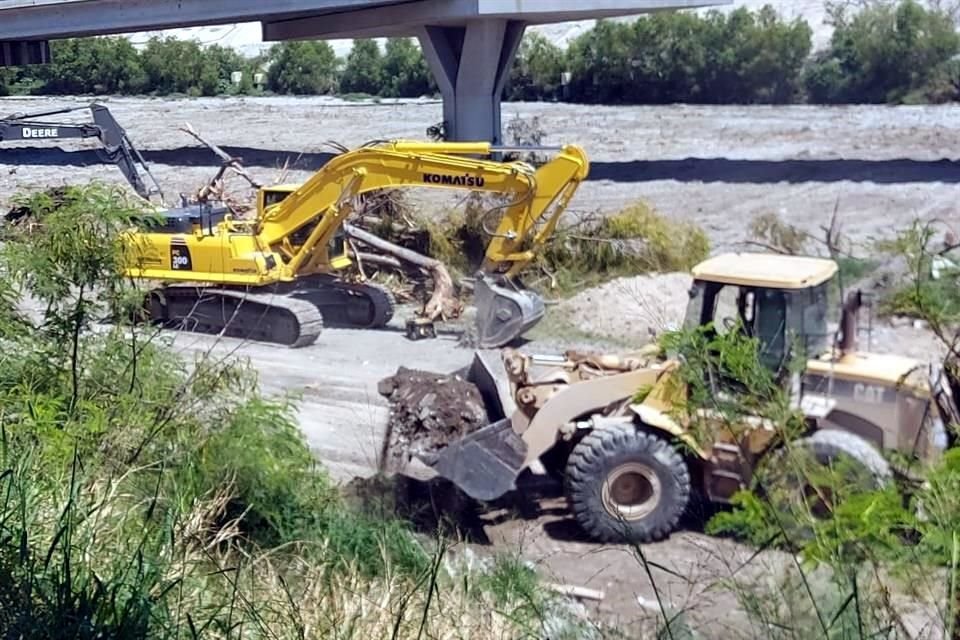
x: 277, y: 277
x: 607, y: 425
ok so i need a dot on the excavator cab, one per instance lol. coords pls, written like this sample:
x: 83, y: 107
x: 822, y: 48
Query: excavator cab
x: 273, y: 194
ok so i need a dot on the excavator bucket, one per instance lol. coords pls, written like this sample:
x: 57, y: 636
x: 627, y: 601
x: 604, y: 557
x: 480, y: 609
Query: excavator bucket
x: 505, y: 311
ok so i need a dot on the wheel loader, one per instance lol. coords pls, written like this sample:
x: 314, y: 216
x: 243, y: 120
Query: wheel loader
x: 278, y: 277
x: 608, y: 425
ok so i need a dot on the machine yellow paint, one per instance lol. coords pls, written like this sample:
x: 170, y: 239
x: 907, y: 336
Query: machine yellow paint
x: 872, y: 368
x: 294, y: 234
x: 766, y: 270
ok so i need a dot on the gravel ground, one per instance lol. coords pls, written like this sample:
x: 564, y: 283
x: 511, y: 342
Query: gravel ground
x: 630, y: 309
x: 718, y: 166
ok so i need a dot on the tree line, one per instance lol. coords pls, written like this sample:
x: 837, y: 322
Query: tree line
x: 168, y: 66
x: 888, y: 52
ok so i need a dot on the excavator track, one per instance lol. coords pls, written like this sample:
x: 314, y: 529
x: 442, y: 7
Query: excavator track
x: 266, y: 317
x: 351, y: 305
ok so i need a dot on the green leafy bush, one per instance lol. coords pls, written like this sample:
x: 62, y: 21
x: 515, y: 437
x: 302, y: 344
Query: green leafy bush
x: 882, y: 53
x: 363, y: 70
x: 93, y: 65
x: 405, y: 70
x: 303, y: 68
x: 633, y: 241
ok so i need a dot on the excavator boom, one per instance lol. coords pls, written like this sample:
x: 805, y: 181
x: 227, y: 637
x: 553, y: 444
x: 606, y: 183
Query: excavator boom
x: 294, y: 239
x: 117, y: 147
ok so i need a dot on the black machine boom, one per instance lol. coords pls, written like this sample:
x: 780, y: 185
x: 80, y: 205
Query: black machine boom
x: 117, y: 148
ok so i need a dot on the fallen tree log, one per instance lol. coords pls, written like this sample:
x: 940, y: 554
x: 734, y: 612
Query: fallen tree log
x: 443, y: 303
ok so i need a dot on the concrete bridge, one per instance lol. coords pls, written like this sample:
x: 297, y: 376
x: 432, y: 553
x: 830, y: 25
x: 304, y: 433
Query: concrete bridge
x: 469, y: 44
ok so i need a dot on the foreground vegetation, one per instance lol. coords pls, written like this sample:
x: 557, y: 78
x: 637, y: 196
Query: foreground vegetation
x: 142, y: 496
x: 863, y: 560
x: 888, y: 51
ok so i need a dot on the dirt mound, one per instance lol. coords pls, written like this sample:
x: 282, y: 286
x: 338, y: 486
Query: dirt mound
x: 631, y: 309
x: 427, y: 411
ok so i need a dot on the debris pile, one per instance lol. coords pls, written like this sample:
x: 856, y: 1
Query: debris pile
x: 427, y: 411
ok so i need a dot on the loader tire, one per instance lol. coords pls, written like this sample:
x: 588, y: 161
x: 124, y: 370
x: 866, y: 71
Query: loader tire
x: 797, y: 496
x: 626, y: 485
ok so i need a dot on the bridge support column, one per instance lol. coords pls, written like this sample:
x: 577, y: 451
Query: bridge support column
x: 15, y: 53
x: 471, y: 65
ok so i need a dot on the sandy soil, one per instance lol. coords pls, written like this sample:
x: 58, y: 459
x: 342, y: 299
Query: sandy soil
x: 716, y: 166
x: 630, y: 309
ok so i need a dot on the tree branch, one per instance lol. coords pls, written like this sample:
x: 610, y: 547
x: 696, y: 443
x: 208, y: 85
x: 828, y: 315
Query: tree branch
x: 443, y: 303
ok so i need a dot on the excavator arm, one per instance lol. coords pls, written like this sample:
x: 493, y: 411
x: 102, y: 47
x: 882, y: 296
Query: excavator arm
x: 539, y: 196
x: 117, y: 147
x: 536, y: 200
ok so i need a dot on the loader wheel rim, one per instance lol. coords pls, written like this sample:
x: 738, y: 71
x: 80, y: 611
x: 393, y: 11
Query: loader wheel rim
x: 632, y: 491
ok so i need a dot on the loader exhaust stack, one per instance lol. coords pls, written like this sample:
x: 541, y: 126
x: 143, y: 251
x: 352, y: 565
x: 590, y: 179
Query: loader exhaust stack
x: 849, y: 322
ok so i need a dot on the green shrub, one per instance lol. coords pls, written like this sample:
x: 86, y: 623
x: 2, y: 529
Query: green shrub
x: 303, y: 68
x: 405, y: 70
x: 634, y: 241
x: 363, y: 69
x: 882, y: 53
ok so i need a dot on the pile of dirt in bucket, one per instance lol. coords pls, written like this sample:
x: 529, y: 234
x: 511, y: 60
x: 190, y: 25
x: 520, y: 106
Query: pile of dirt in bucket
x: 427, y: 411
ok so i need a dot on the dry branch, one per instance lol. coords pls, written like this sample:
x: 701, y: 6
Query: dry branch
x: 215, y: 188
x: 443, y: 303
x: 228, y: 161
x: 576, y: 591
x: 377, y: 259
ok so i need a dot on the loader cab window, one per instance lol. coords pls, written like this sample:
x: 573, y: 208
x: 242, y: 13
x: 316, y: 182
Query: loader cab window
x: 725, y: 305
x: 771, y: 327
x: 757, y: 312
x: 810, y: 308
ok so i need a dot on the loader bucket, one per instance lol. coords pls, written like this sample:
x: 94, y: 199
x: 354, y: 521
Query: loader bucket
x: 505, y: 311
x: 485, y: 463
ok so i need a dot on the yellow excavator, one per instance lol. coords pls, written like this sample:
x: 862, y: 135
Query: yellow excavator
x: 277, y: 277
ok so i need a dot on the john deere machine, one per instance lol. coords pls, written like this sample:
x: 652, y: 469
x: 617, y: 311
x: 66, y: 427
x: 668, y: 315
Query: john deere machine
x: 278, y: 277
x: 630, y: 460
x: 116, y: 145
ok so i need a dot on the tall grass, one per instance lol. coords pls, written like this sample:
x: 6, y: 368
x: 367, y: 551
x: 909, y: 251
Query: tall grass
x: 142, y: 496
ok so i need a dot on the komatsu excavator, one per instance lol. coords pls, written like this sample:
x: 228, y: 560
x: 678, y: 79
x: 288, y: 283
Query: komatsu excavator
x: 276, y: 277
x: 117, y: 147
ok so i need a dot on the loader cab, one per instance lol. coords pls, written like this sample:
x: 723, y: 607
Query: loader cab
x: 782, y: 301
